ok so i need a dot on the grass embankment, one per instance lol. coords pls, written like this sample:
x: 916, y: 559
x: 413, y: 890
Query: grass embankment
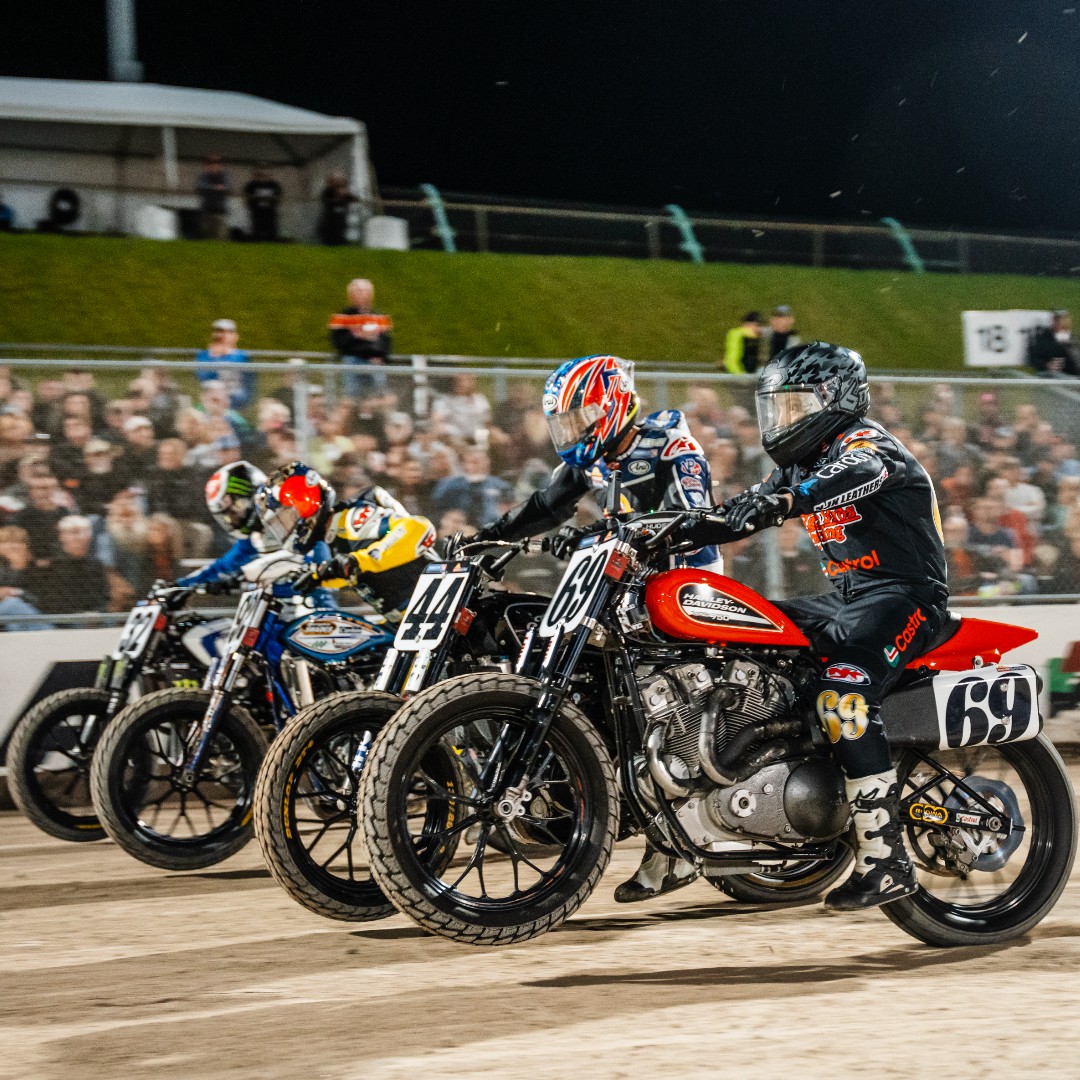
x: 96, y: 290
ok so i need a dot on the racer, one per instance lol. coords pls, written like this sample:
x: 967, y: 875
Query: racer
x: 870, y: 509
x: 592, y: 413
x: 373, y: 544
x: 230, y: 498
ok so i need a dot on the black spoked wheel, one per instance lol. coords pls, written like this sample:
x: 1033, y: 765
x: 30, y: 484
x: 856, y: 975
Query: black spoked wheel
x: 49, y: 759
x: 789, y: 883
x: 141, y: 798
x: 979, y: 886
x: 306, y: 806
x: 529, y: 858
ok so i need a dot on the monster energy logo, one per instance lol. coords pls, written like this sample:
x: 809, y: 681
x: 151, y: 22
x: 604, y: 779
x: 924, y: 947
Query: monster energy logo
x: 237, y: 485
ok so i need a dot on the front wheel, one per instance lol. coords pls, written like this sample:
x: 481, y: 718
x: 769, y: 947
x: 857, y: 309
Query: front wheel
x: 484, y: 896
x: 977, y: 886
x: 306, y: 806
x: 141, y: 798
x: 48, y: 762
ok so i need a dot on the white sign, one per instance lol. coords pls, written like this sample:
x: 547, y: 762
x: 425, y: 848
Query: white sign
x: 1000, y: 338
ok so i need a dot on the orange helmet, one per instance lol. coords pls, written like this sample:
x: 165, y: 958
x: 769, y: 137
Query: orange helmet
x: 294, y: 505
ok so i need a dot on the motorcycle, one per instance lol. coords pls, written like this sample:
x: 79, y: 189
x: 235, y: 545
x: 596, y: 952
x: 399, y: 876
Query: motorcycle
x: 708, y: 689
x: 173, y: 777
x: 161, y: 645
x: 307, y: 791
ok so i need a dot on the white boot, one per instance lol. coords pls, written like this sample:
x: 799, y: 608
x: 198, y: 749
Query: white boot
x: 657, y: 874
x: 883, y: 870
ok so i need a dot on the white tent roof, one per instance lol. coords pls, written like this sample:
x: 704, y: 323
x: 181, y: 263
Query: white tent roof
x: 152, y: 105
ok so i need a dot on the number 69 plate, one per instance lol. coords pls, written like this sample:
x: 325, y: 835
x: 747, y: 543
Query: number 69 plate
x: 583, y: 577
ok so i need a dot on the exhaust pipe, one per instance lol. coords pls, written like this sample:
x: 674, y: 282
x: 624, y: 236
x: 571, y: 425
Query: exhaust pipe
x: 662, y: 776
x: 723, y: 767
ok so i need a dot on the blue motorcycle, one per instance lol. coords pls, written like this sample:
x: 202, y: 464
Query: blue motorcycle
x: 174, y: 774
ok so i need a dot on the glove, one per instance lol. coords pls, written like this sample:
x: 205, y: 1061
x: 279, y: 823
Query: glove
x: 490, y: 531
x: 340, y: 566
x: 306, y: 583
x: 751, y: 511
x: 219, y: 587
x: 562, y: 544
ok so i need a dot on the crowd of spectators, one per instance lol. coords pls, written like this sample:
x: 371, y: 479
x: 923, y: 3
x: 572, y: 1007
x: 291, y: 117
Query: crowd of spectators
x: 101, y: 480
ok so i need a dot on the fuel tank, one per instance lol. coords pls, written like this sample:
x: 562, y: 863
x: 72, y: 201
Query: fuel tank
x: 699, y: 605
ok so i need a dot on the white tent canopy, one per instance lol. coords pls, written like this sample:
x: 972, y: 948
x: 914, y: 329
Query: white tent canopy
x: 142, y: 140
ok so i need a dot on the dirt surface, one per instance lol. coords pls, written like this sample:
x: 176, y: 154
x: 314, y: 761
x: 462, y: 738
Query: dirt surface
x: 110, y: 968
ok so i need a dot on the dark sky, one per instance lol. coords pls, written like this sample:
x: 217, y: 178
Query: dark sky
x: 947, y: 112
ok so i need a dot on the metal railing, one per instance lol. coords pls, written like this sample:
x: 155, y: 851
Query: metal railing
x: 416, y: 380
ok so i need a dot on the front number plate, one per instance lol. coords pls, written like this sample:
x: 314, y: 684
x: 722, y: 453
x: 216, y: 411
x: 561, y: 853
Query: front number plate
x: 434, y: 604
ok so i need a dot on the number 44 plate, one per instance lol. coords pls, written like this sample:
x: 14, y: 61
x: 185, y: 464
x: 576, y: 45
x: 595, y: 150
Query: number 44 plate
x: 434, y: 604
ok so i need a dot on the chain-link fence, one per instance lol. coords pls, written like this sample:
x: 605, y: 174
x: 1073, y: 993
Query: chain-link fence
x: 103, y: 461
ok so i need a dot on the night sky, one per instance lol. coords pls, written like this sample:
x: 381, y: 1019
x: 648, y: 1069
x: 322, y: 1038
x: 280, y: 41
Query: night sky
x: 949, y: 113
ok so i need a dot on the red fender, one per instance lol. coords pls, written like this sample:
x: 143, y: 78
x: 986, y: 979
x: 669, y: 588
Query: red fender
x: 981, y: 638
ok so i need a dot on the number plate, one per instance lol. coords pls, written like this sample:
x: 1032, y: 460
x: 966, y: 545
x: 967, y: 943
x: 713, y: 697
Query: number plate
x: 987, y: 705
x: 136, y: 632
x: 583, y: 577
x: 435, y: 601
x: 249, y: 613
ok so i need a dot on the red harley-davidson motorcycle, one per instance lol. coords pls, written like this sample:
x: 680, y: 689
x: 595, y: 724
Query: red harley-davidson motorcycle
x: 683, y: 700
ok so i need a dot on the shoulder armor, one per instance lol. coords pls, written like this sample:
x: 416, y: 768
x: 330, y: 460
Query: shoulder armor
x: 664, y: 420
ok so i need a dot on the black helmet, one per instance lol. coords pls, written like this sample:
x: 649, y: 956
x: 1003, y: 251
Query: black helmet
x: 805, y: 395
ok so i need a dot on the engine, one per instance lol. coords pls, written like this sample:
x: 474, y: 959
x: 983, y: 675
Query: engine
x: 728, y: 746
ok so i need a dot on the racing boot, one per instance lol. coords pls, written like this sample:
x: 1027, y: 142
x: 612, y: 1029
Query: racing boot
x: 883, y: 871
x: 657, y: 874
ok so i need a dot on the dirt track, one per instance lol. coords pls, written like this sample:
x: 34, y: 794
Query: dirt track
x: 110, y: 968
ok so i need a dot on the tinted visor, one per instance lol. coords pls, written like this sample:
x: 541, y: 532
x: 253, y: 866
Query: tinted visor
x: 280, y: 523
x: 778, y: 410
x: 569, y: 428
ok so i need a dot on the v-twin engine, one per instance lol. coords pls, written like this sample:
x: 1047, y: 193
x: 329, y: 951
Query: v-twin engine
x: 729, y: 748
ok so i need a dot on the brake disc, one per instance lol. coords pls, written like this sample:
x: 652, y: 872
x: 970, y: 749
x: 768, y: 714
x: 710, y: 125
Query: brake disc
x: 991, y: 851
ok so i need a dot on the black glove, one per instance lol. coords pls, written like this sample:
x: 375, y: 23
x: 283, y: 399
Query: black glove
x: 220, y: 587
x: 751, y: 511
x: 306, y: 583
x: 490, y: 531
x: 563, y: 543
x: 340, y: 566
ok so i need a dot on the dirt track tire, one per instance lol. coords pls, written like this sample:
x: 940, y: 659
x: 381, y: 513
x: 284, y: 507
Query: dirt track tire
x: 1036, y: 888
x: 29, y: 745
x: 238, y: 737
x: 405, y: 878
x: 314, y: 731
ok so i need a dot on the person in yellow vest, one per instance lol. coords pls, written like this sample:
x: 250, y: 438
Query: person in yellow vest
x: 742, y: 347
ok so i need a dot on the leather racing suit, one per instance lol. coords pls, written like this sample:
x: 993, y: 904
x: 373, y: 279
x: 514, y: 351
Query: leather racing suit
x: 870, y: 509
x: 663, y: 468
x: 389, y: 546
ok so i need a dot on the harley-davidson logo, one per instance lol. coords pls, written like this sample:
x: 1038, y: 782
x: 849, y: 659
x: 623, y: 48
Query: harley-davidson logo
x: 706, y: 605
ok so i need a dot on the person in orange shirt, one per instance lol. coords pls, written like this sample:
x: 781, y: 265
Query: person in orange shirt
x: 361, y: 336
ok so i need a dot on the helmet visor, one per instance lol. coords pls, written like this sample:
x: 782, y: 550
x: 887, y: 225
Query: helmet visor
x: 778, y: 410
x: 569, y: 428
x: 279, y: 524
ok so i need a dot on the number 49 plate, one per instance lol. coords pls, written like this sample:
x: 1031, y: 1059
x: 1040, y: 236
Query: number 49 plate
x: 434, y: 604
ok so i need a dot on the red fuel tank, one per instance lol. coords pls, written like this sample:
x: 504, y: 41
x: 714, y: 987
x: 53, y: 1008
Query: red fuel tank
x: 702, y: 606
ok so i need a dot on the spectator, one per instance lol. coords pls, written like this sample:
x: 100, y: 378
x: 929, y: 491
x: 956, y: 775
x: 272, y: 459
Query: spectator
x: 280, y: 447
x: 222, y: 350
x: 16, y: 438
x: 742, y: 347
x: 262, y: 193
x: 1067, y: 501
x: 66, y: 454
x: 1022, y: 496
x: 479, y: 495
x: 336, y: 198
x: 1065, y: 575
x: 329, y: 443
x: 139, y: 453
x: 172, y: 487
x: 781, y: 332
x: 214, y: 188
x: 159, y: 397
x: 47, y: 505
x: 959, y: 489
x: 464, y: 415
x: 963, y: 576
x: 361, y: 336
x: 102, y: 479
x: 193, y: 427
x: 1051, y: 349
x: 995, y: 551
x: 412, y: 489
x: 954, y: 449
x: 997, y: 488
x: 18, y: 578
x: 214, y: 402
x: 124, y: 539
x: 164, y: 547
x: 77, y: 579
x: 452, y: 522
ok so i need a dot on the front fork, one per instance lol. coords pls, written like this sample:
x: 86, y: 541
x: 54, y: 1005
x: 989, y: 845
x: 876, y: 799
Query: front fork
x: 220, y: 700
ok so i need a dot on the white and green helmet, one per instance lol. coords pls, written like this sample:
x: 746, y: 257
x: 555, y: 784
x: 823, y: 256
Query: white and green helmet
x: 230, y: 496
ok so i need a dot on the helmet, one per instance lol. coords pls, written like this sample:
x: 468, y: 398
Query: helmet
x: 230, y: 496
x: 294, y: 504
x: 589, y: 404
x: 806, y: 394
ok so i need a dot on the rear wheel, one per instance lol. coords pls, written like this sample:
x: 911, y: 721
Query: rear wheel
x: 978, y: 886
x: 306, y: 806
x: 140, y: 796
x: 49, y: 758
x: 570, y: 804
